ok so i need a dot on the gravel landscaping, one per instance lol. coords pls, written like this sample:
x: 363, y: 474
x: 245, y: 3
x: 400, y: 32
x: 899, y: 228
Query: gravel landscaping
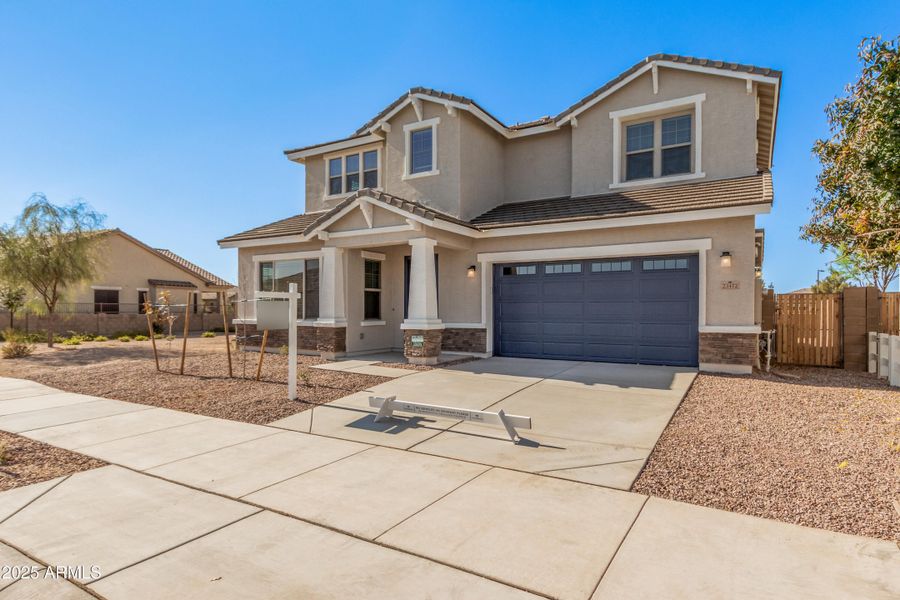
x: 24, y: 461
x: 812, y: 446
x: 127, y: 372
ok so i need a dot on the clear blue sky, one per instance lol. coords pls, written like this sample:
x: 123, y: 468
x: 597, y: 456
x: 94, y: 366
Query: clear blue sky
x: 171, y: 117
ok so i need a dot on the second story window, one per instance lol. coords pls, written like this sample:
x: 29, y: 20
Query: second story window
x: 639, y: 151
x: 420, y: 158
x: 676, y: 145
x: 421, y: 149
x: 350, y: 172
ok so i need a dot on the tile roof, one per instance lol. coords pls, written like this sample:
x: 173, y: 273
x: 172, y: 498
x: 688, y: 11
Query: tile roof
x: 200, y: 272
x: 413, y: 208
x: 291, y: 226
x: 687, y: 60
x: 722, y: 193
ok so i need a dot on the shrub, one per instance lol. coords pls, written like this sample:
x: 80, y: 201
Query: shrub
x: 208, y: 334
x: 124, y: 338
x: 72, y: 341
x: 101, y: 338
x: 283, y: 350
x: 16, y: 345
x: 141, y: 338
x: 158, y: 336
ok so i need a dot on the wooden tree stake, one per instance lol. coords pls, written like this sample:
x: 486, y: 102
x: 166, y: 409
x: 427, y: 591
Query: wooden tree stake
x: 187, y: 322
x: 152, y: 337
x: 262, y: 352
x: 227, y: 341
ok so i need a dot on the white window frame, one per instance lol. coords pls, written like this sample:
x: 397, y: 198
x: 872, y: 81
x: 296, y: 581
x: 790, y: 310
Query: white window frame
x: 379, y: 258
x: 407, y: 155
x: 342, y: 156
x: 621, y: 118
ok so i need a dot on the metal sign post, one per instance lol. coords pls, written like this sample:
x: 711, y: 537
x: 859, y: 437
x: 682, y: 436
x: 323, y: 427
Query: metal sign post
x: 270, y: 315
x: 387, y: 406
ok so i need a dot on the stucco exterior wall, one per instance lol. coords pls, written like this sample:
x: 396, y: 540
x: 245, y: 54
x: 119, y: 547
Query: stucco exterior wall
x: 482, y: 167
x: 440, y: 191
x: 538, y: 166
x: 728, y: 127
x: 122, y: 263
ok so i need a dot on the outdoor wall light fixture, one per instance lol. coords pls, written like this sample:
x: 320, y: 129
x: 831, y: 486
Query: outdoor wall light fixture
x: 726, y: 259
x: 470, y: 272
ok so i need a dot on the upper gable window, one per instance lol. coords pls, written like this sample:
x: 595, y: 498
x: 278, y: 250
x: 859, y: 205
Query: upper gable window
x: 676, y: 145
x: 420, y: 158
x: 658, y: 141
x: 347, y: 172
x: 639, y: 151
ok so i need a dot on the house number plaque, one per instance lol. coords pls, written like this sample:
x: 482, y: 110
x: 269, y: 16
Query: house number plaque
x: 417, y: 340
x: 731, y: 285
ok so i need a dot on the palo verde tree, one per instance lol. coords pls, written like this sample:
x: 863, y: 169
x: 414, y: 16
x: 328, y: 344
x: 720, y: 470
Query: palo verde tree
x: 857, y: 211
x: 51, y: 248
x: 12, y: 299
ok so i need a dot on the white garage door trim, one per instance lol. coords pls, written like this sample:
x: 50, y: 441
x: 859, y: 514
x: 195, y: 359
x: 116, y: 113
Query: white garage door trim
x: 487, y: 260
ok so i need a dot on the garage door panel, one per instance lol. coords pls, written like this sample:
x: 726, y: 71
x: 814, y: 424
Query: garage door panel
x: 656, y: 288
x: 614, y: 330
x: 609, y: 310
x: 663, y: 310
x: 646, y: 315
x: 607, y: 288
x: 565, y: 311
x: 613, y: 352
x: 562, y: 286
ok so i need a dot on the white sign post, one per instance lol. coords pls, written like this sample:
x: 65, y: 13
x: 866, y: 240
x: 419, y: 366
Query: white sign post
x: 270, y: 315
x: 387, y: 406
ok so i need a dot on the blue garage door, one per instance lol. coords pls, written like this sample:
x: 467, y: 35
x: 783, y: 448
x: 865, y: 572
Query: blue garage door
x: 631, y: 310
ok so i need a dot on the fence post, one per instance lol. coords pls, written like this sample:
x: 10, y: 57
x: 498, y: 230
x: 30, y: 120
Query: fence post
x: 873, y: 352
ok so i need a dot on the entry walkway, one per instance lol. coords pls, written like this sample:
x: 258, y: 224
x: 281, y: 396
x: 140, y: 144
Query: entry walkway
x: 197, y: 507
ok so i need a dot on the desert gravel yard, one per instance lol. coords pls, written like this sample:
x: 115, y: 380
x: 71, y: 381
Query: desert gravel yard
x: 812, y: 446
x: 24, y: 461
x: 125, y: 371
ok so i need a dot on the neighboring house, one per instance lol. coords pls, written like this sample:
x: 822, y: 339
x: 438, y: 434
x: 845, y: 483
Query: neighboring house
x: 621, y: 229
x: 130, y: 272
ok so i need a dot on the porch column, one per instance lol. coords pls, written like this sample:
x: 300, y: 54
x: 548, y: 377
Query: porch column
x: 331, y: 326
x: 422, y: 327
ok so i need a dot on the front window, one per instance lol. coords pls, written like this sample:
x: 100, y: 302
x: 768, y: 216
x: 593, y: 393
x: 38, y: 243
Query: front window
x: 639, y: 151
x: 106, y: 301
x: 277, y: 275
x: 372, y: 290
x: 676, y: 145
x: 421, y: 159
x: 349, y: 173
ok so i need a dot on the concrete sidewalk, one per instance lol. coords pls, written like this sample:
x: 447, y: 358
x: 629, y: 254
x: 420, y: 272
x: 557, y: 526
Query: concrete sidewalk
x: 196, y: 507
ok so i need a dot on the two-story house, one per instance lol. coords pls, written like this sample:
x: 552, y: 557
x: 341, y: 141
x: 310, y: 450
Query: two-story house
x: 621, y: 229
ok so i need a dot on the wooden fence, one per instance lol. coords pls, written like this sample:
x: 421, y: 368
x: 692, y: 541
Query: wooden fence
x: 890, y: 313
x: 809, y: 329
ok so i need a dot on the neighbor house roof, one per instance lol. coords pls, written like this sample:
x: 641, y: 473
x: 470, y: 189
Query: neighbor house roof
x: 169, y: 256
x: 209, y: 278
x: 722, y: 193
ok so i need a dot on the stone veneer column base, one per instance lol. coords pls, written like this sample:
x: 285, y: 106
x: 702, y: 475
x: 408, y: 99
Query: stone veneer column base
x: 728, y: 352
x: 331, y: 342
x: 428, y: 353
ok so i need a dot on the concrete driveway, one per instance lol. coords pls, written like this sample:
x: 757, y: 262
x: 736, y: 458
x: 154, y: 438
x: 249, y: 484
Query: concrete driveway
x: 592, y: 422
x: 195, y: 507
